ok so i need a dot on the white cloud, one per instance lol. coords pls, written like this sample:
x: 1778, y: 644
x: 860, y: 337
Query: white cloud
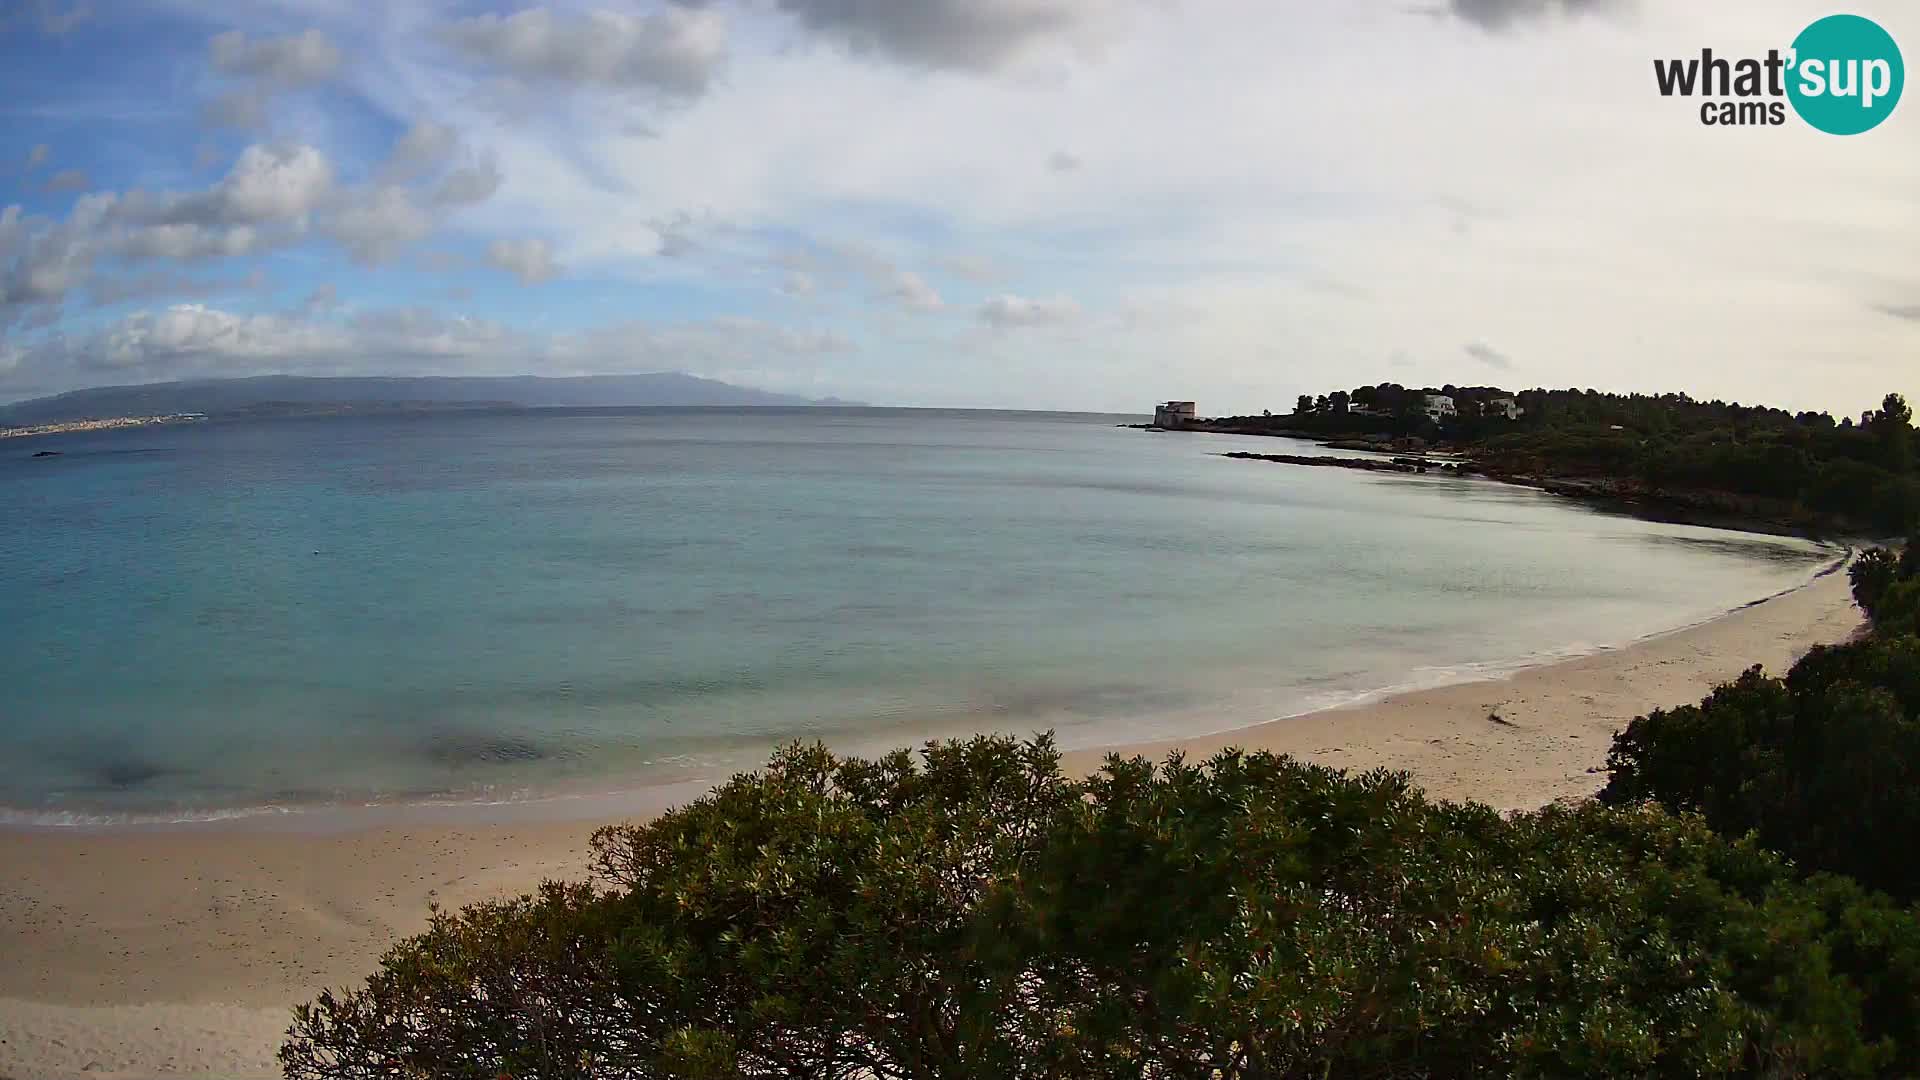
x: 1500, y: 14
x: 53, y: 19
x: 971, y: 267
x: 425, y: 148
x: 1009, y: 312
x: 473, y: 182
x: 282, y: 183
x: 264, y: 67
x: 435, y: 153
x: 1488, y: 355
x: 377, y: 225
x: 674, y: 51
x: 41, y: 261
x: 273, y: 184
x: 913, y: 292
x: 243, y: 110
x: 530, y: 260
x: 324, y: 297
x: 272, y: 197
x: 183, y: 340
x: 44, y: 274
x: 69, y: 180
x: 295, y: 60
x: 189, y: 241
x: 166, y: 284
x: 14, y: 226
x: 978, y: 34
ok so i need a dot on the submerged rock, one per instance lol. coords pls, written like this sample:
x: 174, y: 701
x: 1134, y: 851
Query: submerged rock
x: 1363, y: 464
x: 480, y: 748
x: 123, y: 773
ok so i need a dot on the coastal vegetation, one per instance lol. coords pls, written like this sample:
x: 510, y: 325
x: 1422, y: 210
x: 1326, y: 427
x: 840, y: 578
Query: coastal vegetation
x: 1740, y: 901
x: 1823, y: 764
x: 1707, y: 457
x: 973, y: 911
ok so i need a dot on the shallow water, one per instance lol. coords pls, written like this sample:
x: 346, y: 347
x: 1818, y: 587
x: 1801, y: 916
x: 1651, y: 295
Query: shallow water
x: 201, y: 620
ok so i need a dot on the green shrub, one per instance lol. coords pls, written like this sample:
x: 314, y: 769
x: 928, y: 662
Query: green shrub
x: 1884, y: 585
x: 976, y: 913
x: 1823, y: 765
x: 1899, y: 611
x: 1871, y: 575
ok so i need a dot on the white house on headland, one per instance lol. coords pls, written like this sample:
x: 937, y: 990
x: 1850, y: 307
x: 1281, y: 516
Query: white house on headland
x: 1439, y: 405
x: 1502, y: 406
x: 1173, y: 414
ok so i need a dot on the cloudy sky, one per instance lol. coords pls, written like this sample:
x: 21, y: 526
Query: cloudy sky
x: 1013, y: 203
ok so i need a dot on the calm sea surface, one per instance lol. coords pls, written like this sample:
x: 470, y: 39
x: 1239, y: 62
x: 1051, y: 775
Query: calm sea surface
x: 201, y: 620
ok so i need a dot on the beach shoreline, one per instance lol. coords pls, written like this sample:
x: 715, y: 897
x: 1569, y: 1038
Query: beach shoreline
x: 618, y: 797
x: 1555, y: 721
x: 135, y: 951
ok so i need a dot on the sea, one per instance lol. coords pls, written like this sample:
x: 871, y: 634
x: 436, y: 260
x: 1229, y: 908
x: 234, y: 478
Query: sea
x: 222, y: 619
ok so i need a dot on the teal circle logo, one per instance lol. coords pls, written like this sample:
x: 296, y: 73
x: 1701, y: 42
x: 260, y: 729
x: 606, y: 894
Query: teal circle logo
x: 1846, y: 75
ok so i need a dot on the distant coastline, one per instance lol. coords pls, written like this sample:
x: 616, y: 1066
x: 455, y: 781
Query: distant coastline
x: 287, y: 395
x: 1666, y: 457
x: 66, y: 426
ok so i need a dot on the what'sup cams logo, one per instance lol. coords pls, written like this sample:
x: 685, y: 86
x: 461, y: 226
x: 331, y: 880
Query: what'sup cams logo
x: 1843, y: 75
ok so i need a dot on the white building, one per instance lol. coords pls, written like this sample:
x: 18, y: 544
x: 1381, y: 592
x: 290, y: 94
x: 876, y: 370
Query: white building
x: 1439, y: 405
x: 1502, y: 406
x: 1173, y: 414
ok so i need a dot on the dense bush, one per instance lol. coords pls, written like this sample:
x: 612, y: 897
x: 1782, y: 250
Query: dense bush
x: 1823, y: 765
x: 976, y: 913
x: 1887, y: 588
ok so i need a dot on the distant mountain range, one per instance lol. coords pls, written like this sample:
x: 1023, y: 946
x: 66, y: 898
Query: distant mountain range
x: 289, y: 394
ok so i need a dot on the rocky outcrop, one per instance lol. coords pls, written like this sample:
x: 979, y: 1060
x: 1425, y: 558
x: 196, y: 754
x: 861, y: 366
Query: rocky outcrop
x: 1395, y: 465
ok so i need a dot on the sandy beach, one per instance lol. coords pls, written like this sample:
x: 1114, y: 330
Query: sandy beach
x: 179, y: 951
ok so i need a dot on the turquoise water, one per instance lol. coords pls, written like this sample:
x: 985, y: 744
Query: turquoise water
x: 202, y: 620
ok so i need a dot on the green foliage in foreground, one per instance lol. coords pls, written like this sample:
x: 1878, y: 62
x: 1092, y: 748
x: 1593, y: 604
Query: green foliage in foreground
x: 1823, y: 765
x: 973, y: 912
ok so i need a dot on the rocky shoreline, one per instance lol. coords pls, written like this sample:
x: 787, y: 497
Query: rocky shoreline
x: 1686, y: 506
x: 1398, y: 465
x: 1707, y: 508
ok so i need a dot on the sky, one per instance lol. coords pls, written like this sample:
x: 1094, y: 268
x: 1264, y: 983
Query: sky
x: 1072, y: 204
